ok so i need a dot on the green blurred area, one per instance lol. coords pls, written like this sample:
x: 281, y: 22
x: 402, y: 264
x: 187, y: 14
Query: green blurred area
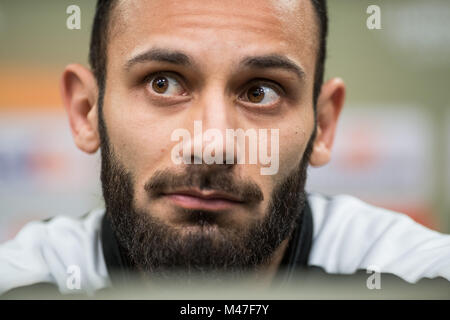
x: 35, y: 32
x: 405, y: 63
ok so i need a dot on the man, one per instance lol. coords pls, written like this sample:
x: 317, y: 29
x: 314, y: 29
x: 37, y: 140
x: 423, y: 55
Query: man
x: 161, y: 70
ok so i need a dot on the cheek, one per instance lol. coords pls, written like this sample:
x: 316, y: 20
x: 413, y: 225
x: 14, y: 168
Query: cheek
x: 294, y: 138
x: 292, y: 146
x: 140, y: 140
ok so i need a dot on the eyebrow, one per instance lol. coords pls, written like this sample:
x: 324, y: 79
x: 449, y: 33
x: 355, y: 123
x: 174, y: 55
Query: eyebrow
x: 159, y: 55
x: 274, y: 61
x: 178, y: 57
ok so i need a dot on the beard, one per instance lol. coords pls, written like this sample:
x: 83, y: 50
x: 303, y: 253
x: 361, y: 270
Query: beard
x: 160, y: 251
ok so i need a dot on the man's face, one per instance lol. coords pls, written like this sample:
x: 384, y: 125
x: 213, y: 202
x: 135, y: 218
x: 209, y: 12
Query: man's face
x: 229, y: 64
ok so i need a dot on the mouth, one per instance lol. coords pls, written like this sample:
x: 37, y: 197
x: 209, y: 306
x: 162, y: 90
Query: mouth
x: 210, y: 200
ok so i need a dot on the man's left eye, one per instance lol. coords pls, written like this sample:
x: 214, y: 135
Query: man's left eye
x: 261, y: 94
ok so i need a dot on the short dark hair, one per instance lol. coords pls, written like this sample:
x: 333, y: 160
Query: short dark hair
x: 99, y: 39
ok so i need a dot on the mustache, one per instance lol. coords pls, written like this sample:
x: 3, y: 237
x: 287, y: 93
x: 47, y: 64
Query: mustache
x: 204, y: 177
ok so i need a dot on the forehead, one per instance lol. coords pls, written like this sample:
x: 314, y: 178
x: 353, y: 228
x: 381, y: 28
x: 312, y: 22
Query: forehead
x: 217, y: 29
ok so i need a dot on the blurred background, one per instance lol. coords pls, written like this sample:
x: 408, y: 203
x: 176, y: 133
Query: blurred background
x: 392, y: 148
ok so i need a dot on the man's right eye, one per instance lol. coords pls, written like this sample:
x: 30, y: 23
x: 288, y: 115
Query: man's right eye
x: 165, y: 85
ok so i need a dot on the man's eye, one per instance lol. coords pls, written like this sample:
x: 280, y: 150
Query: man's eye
x: 261, y: 94
x: 165, y: 85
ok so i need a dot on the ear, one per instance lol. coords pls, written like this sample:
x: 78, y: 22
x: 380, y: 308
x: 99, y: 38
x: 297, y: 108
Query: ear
x: 329, y: 106
x: 79, y: 94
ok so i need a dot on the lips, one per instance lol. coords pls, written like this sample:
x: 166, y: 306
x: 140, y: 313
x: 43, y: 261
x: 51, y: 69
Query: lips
x: 203, y: 200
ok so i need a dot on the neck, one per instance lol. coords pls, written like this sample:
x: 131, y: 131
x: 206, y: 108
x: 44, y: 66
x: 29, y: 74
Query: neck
x: 265, y: 274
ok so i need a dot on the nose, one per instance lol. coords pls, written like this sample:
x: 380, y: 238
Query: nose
x: 212, y: 114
